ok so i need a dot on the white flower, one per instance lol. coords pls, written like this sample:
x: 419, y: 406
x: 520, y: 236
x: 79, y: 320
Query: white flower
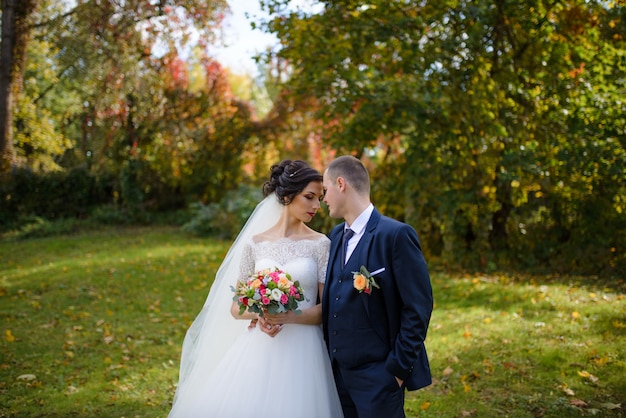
x: 276, y: 294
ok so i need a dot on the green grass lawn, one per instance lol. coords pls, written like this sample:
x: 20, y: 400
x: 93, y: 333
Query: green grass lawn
x: 92, y: 326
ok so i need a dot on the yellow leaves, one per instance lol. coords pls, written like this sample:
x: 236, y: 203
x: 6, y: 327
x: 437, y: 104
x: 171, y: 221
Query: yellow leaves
x: 107, y: 336
x: 424, y: 406
x: 155, y: 306
x: 616, y: 323
x: 489, y: 190
x: 8, y: 336
x: 467, y: 334
x: 588, y: 376
x: 600, y: 361
x: 488, y: 366
x: 575, y: 315
x: 566, y: 390
x: 466, y: 386
x: 466, y: 379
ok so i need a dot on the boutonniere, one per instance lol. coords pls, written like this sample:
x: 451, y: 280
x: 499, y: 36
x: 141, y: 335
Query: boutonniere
x: 364, y: 281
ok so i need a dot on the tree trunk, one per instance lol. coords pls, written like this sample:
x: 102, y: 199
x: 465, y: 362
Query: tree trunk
x: 7, y: 49
x: 15, y: 34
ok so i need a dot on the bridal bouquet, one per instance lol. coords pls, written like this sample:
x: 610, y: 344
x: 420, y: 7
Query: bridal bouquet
x: 271, y: 290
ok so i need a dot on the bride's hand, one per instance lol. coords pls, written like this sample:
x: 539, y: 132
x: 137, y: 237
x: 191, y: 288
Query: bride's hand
x: 268, y: 327
x: 279, y: 318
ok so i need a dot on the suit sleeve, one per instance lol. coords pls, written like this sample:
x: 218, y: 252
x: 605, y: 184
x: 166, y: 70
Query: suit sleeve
x: 412, y: 281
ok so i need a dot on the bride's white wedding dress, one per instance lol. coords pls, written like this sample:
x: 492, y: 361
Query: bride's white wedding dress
x: 288, y: 375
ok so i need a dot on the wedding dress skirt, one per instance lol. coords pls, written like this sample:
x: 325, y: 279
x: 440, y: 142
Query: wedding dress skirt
x: 288, y: 375
x: 285, y: 376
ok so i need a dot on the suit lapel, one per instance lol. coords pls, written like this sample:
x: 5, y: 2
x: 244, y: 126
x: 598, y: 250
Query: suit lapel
x: 361, y: 253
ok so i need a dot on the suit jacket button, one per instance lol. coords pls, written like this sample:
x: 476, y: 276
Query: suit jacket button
x: 339, y: 280
x: 334, y: 332
x: 334, y: 315
x: 334, y: 350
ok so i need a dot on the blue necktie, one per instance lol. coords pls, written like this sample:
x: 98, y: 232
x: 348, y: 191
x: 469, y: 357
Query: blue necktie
x: 347, y: 234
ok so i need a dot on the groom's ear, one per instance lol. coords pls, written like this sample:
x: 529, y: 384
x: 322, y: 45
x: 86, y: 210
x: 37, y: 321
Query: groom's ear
x: 341, y: 183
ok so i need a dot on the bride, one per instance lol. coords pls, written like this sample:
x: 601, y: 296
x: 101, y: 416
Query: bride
x: 272, y: 365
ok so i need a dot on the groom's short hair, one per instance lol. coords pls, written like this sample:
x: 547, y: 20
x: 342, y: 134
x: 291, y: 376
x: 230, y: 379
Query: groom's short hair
x: 351, y: 169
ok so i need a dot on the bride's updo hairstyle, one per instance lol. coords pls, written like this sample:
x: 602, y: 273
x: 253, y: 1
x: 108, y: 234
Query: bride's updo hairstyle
x: 288, y: 178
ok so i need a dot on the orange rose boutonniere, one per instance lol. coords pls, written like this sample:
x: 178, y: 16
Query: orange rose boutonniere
x: 364, y: 281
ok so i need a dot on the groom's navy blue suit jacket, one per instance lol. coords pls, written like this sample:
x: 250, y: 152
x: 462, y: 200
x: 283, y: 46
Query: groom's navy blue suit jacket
x: 390, y: 324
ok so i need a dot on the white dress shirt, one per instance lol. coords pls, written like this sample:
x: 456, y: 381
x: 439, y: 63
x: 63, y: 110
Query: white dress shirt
x: 358, y: 226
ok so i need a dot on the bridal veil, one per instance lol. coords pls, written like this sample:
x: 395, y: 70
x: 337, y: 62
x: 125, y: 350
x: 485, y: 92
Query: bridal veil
x: 214, y: 330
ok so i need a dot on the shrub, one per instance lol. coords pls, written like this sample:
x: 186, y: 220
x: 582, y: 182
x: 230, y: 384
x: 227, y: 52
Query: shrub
x: 225, y: 218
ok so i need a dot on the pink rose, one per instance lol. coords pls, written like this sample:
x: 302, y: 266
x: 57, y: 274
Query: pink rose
x: 265, y: 300
x: 284, y: 299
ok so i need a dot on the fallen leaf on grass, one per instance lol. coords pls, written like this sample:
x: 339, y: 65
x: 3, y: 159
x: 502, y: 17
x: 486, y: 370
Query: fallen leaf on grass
x: 566, y: 390
x: 587, y: 375
x: 71, y: 389
x: 617, y: 324
x: 8, y: 336
x: 611, y: 406
x: 27, y: 377
x: 578, y: 403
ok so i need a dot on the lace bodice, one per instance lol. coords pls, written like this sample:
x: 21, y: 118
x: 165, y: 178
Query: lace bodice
x: 305, y: 260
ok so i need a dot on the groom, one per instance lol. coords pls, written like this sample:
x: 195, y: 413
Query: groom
x: 374, y: 331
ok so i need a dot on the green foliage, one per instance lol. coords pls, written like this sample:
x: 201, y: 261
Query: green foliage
x: 225, y: 218
x: 93, y: 324
x: 55, y: 195
x: 477, y: 116
x: 496, y: 129
x: 111, y: 215
x: 37, y: 227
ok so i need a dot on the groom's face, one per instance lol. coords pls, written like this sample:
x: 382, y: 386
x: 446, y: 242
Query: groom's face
x: 332, y: 196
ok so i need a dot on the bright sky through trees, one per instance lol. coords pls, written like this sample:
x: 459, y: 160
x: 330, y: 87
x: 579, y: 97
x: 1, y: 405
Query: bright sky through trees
x: 241, y: 42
